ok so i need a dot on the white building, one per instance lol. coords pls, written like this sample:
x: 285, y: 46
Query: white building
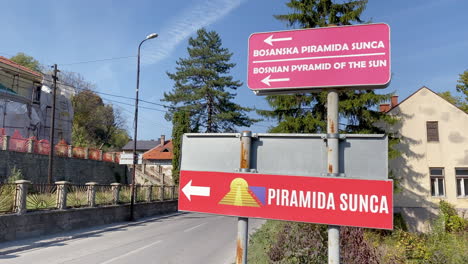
x: 434, y: 156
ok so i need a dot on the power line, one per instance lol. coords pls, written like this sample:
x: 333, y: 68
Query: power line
x: 125, y: 97
x: 144, y: 107
x: 92, y: 61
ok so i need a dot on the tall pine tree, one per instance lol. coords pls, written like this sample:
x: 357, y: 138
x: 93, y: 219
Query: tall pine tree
x: 306, y: 113
x: 180, y: 125
x: 204, y: 88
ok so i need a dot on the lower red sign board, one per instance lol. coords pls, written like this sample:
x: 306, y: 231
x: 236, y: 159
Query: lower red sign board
x: 333, y: 201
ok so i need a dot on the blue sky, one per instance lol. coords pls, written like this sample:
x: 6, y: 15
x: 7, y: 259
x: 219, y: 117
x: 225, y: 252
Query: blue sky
x: 429, y: 42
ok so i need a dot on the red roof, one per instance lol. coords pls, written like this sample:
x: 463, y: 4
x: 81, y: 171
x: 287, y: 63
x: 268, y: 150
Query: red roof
x: 19, y: 67
x: 160, y: 152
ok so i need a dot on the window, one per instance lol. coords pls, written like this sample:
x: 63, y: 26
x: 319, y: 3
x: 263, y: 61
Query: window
x: 37, y: 93
x: 432, y: 128
x: 461, y: 174
x: 437, y: 181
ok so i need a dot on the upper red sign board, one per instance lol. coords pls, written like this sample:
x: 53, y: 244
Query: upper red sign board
x: 333, y: 201
x: 356, y: 57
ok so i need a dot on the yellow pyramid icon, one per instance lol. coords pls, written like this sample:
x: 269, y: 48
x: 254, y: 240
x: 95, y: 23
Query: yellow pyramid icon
x: 239, y: 194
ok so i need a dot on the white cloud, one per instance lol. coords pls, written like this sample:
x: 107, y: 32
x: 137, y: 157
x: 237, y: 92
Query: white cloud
x: 187, y: 22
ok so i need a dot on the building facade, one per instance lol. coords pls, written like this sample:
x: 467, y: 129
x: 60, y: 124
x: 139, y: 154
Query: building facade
x: 26, y: 103
x: 433, y: 164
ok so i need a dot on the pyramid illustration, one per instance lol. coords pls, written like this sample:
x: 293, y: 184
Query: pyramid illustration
x: 239, y: 195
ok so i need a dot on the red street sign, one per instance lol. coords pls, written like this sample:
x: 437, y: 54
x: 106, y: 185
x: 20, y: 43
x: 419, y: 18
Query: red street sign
x: 333, y: 201
x: 344, y: 57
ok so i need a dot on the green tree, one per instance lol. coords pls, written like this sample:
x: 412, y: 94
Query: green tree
x: 180, y: 125
x: 27, y: 61
x: 462, y: 85
x: 321, y: 13
x: 96, y: 124
x: 455, y: 100
x: 203, y: 86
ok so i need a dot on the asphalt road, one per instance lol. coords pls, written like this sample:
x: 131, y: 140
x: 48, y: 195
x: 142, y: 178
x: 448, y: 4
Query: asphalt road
x: 178, y: 238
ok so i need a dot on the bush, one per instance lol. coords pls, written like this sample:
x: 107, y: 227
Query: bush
x: 15, y: 175
x: 261, y: 241
x: 355, y: 249
x: 452, y: 222
x: 300, y: 243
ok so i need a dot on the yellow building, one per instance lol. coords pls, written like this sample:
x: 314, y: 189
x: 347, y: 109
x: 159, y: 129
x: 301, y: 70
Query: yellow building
x: 434, y: 156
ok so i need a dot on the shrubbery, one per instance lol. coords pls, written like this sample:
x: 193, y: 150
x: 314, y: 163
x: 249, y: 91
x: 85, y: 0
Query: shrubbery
x: 289, y: 242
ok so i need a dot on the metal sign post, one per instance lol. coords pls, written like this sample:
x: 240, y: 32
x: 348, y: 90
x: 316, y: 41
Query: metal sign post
x: 333, y: 169
x: 243, y: 222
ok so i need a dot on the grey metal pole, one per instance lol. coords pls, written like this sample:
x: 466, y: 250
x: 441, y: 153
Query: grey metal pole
x: 135, y: 156
x: 52, y: 128
x: 333, y: 169
x: 243, y: 222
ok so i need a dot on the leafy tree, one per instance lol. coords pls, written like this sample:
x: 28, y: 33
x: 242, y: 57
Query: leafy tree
x: 456, y: 100
x: 75, y: 80
x: 27, y: 61
x: 203, y: 86
x: 96, y: 124
x: 180, y: 125
x: 462, y: 85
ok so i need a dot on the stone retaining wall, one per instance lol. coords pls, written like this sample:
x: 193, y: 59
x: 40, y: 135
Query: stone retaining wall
x: 31, y: 224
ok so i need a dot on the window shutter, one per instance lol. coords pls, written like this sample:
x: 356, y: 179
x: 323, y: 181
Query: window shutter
x: 432, y: 130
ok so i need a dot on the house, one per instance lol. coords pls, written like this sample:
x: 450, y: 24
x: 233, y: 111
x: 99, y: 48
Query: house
x: 26, y: 103
x: 433, y: 165
x: 141, y: 147
x: 156, y: 164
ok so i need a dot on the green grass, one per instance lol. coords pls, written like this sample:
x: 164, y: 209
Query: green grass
x: 261, y: 241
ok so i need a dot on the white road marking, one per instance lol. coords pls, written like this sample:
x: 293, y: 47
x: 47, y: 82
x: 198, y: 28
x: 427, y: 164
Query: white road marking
x: 131, y: 252
x: 192, y: 228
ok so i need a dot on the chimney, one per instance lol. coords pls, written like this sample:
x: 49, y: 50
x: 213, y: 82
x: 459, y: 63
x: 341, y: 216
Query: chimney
x: 394, y: 101
x: 384, y: 107
x: 163, y: 140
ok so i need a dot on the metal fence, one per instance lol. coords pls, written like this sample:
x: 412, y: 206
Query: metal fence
x: 77, y: 195
x: 104, y: 195
x: 18, y: 143
x: 41, y: 147
x: 41, y: 196
x: 7, y: 198
x: 61, y: 150
x: 22, y: 196
x: 94, y: 154
x: 125, y: 194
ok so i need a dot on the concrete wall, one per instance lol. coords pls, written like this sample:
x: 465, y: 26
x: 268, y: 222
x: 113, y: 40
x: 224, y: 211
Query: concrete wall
x: 35, y: 168
x: 418, y: 155
x: 39, y: 223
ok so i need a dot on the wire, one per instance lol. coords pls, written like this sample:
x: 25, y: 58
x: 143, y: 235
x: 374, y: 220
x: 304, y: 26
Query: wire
x: 92, y: 61
x: 125, y: 97
x: 149, y: 108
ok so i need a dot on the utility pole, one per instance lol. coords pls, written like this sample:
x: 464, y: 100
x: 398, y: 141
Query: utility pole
x: 52, y: 126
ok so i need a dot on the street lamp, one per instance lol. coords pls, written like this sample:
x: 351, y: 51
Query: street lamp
x: 135, y: 156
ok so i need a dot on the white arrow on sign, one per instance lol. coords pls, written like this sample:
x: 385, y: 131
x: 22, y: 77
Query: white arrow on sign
x: 270, y: 40
x: 189, y: 190
x: 267, y: 80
